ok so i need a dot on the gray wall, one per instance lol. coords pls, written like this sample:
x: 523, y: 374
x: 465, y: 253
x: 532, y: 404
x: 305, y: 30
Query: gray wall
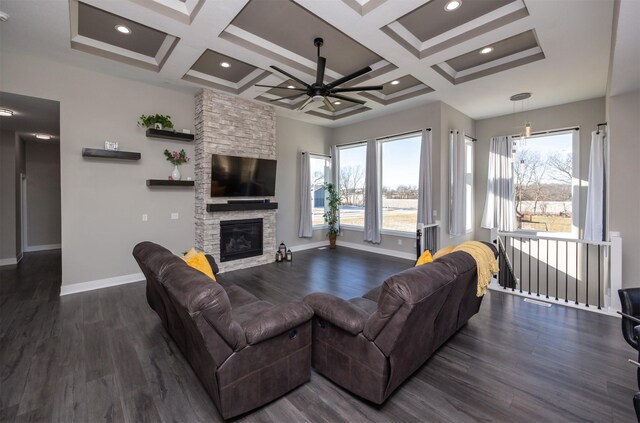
x: 441, y: 118
x: 292, y: 138
x: 624, y: 139
x: 103, y: 200
x: 42, y: 161
x: 584, y: 114
x: 7, y: 195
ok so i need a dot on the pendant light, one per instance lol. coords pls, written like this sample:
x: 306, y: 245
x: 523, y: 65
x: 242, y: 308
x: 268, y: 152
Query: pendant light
x: 521, y: 98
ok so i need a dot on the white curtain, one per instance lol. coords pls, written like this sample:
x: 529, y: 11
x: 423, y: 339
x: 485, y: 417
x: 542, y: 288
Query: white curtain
x: 425, y: 207
x: 335, y: 174
x: 306, y: 230
x: 499, y: 207
x: 372, y: 218
x: 594, y: 219
x: 457, y: 201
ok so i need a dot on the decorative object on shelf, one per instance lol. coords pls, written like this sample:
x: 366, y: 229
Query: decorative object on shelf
x: 186, y: 131
x: 176, y: 159
x: 289, y: 255
x: 111, y: 145
x: 278, y: 257
x: 331, y: 215
x: 282, y: 249
x: 156, y: 121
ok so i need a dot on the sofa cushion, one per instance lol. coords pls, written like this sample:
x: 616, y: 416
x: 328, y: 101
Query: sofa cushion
x: 249, y: 311
x: 365, y: 304
x: 373, y: 294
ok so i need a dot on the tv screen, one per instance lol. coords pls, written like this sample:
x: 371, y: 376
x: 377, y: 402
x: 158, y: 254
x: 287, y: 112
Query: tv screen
x: 233, y: 176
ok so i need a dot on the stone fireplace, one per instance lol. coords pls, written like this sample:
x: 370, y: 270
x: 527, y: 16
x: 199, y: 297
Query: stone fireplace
x: 236, y: 127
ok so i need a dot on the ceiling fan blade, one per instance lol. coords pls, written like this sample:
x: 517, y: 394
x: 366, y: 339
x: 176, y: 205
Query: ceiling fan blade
x: 348, y: 77
x: 306, y: 103
x: 298, y: 80
x: 281, y: 88
x: 354, y: 89
x: 345, y: 98
x: 328, y: 104
x: 286, y: 98
x: 322, y: 63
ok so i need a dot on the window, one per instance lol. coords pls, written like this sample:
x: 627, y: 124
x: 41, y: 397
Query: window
x: 468, y: 185
x: 351, y: 184
x: 400, y: 171
x: 320, y: 168
x: 543, y: 178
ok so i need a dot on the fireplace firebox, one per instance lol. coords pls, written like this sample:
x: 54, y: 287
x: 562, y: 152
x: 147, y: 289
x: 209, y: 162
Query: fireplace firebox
x: 240, y: 239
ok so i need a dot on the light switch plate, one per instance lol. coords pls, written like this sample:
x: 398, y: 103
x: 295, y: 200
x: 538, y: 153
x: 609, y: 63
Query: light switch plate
x: 174, y: 216
x: 145, y: 217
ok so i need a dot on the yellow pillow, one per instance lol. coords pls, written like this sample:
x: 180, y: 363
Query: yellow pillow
x: 192, y: 252
x: 424, y: 258
x: 443, y: 251
x: 200, y: 262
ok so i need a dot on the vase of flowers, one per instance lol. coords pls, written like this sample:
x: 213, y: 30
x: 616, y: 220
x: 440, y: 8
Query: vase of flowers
x: 176, y: 159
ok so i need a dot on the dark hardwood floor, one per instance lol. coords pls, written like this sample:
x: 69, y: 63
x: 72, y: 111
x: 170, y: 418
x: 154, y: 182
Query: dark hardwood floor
x: 103, y: 355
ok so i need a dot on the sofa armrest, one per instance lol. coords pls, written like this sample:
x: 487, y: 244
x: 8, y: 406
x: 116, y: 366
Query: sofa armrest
x: 338, y: 312
x: 276, y: 321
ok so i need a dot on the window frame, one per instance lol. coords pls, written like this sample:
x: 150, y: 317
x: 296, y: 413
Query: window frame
x: 327, y: 160
x: 576, y: 184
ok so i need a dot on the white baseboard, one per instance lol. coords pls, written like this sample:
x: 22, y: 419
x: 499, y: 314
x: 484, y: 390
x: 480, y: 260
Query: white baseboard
x: 309, y: 246
x: 19, y: 257
x: 33, y: 248
x: 372, y: 249
x: 8, y: 261
x: 100, y: 283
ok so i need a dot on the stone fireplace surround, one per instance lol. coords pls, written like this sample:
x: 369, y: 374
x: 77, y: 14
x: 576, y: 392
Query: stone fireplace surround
x: 236, y: 127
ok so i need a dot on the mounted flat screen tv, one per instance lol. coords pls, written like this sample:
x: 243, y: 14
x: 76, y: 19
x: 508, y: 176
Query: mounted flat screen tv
x: 233, y: 176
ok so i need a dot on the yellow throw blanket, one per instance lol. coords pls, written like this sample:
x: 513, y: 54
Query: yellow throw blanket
x: 486, y: 263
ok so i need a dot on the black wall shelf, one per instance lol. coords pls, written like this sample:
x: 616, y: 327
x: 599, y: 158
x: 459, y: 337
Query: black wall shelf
x: 110, y: 154
x: 241, y: 207
x: 168, y: 183
x: 169, y: 135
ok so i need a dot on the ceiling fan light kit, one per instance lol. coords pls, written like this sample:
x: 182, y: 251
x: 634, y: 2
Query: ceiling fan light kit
x: 321, y: 92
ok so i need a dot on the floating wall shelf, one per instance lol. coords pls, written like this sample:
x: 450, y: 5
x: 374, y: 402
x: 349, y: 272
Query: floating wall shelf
x: 169, y: 135
x: 168, y: 183
x: 110, y: 154
x: 241, y: 207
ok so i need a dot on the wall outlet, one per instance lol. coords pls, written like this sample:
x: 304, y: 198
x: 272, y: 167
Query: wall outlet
x: 435, y: 213
x: 175, y: 216
x: 145, y: 217
x: 399, y: 242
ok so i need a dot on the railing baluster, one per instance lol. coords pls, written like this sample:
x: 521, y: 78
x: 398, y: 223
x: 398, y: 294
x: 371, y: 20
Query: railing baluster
x: 520, y: 265
x: 529, y: 269
x: 586, y: 277
x: 538, y: 267
x: 513, y: 263
x: 577, y: 262
x: 566, y: 269
x: 556, y: 269
x: 547, y: 262
x: 599, y: 276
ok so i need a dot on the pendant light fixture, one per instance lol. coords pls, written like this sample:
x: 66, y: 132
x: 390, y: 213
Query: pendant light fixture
x: 521, y: 98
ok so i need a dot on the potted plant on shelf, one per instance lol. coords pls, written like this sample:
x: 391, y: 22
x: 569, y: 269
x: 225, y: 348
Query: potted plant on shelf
x: 176, y: 159
x: 156, y: 121
x: 331, y: 215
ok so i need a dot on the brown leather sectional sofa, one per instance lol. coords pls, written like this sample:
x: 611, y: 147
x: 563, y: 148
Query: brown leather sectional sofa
x: 370, y: 345
x: 248, y: 352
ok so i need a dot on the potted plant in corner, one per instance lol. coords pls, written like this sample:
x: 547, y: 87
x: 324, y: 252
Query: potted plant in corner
x: 156, y: 121
x: 331, y: 215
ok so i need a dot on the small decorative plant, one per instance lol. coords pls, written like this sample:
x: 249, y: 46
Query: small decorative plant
x: 331, y: 215
x: 176, y: 158
x: 152, y: 120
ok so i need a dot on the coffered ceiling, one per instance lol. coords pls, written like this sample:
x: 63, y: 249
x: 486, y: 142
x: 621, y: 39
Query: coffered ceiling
x: 418, y: 51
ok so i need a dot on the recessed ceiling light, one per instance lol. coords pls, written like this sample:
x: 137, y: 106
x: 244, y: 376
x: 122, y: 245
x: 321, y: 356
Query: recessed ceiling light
x: 486, y: 50
x: 225, y: 65
x: 396, y: 82
x: 43, y: 136
x: 290, y: 86
x: 336, y: 103
x: 6, y: 112
x: 123, y: 29
x: 452, y: 5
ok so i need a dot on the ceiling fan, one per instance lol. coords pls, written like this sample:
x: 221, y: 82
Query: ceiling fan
x: 319, y: 91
